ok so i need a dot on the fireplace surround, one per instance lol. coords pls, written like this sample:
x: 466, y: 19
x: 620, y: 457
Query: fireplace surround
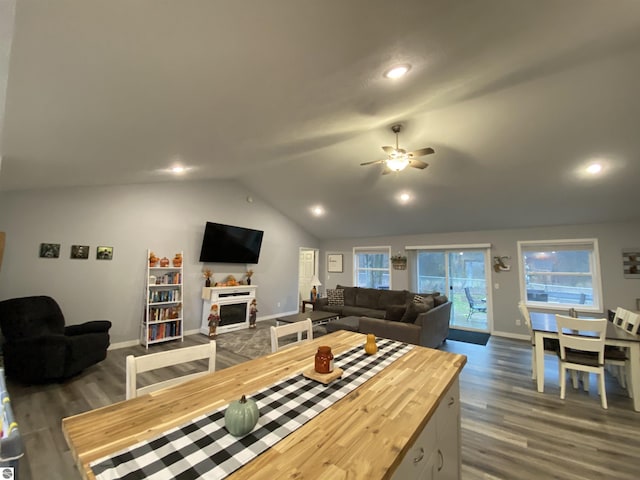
x: 233, y: 306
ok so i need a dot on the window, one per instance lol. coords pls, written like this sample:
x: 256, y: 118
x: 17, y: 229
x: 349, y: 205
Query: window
x: 560, y: 274
x: 372, y: 267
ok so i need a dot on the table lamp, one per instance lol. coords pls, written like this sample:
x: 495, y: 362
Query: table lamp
x: 314, y: 292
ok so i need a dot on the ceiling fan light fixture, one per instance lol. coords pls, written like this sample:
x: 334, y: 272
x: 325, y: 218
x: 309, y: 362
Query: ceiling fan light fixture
x: 397, y: 164
x: 397, y: 71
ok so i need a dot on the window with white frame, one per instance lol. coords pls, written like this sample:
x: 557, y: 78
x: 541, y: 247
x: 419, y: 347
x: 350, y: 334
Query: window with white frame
x: 560, y: 274
x: 372, y: 267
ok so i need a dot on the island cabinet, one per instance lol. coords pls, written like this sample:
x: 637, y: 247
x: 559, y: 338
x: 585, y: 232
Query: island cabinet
x: 435, y: 455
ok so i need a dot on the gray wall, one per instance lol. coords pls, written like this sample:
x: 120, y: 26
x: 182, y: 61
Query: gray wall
x: 165, y: 218
x: 612, y: 238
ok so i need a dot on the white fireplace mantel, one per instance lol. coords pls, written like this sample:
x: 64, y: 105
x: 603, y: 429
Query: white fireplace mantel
x: 221, y: 296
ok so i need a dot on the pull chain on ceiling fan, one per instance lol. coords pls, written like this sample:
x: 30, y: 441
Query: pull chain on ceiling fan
x: 398, y: 158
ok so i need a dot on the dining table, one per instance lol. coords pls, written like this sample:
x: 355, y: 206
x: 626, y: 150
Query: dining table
x: 365, y: 434
x: 544, y: 326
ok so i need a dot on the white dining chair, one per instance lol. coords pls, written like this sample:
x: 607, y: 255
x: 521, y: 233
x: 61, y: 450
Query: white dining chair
x: 617, y: 358
x: 550, y: 344
x: 295, y: 328
x: 582, y: 350
x: 168, y: 358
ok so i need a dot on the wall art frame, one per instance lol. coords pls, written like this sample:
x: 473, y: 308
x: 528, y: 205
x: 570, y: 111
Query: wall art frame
x: 80, y: 252
x: 49, y: 250
x: 335, y: 263
x: 104, y: 253
x: 631, y: 262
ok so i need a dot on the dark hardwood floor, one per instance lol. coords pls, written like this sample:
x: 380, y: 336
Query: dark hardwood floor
x: 509, y: 430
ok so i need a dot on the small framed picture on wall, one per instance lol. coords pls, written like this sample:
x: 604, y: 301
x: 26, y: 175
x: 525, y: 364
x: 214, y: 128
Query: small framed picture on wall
x: 104, y: 253
x: 49, y: 250
x: 334, y: 263
x: 80, y: 251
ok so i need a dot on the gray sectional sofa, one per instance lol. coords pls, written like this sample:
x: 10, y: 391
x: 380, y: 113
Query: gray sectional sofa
x: 391, y: 314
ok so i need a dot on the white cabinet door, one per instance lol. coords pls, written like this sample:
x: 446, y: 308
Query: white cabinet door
x: 448, y: 434
x: 420, y: 459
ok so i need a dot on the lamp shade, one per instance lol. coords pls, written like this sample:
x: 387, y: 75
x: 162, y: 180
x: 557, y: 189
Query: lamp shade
x: 315, y: 281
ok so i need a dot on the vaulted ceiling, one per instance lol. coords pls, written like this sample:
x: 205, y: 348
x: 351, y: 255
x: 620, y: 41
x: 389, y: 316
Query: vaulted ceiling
x: 288, y: 97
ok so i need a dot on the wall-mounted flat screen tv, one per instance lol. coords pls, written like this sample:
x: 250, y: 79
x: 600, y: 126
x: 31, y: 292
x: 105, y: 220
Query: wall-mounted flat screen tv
x: 228, y: 244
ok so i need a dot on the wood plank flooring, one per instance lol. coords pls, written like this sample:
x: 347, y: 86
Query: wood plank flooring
x: 509, y: 430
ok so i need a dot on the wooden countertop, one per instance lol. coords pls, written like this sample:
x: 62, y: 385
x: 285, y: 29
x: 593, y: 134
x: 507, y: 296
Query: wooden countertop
x: 364, y: 435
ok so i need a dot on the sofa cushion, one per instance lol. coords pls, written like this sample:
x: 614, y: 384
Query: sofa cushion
x: 349, y: 294
x: 395, y: 312
x: 392, y: 297
x: 335, y: 296
x: 440, y: 300
x: 348, y: 310
x: 367, y: 297
x: 412, y: 312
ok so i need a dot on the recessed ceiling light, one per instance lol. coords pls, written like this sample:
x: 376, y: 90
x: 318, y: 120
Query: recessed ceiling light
x: 317, y: 211
x: 594, y: 168
x: 178, y: 169
x: 397, y: 71
x: 404, y: 198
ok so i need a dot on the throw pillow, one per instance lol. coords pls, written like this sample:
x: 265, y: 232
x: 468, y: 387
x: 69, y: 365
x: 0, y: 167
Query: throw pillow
x: 335, y: 297
x: 395, y: 312
x: 412, y: 312
x: 427, y: 300
x: 441, y: 299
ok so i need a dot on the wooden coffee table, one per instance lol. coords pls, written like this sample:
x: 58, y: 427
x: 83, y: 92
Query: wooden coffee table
x: 317, y: 317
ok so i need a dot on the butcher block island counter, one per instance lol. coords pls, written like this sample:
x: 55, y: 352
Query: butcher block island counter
x: 403, y: 422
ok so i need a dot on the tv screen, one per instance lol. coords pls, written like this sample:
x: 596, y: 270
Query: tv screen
x: 229, y: 244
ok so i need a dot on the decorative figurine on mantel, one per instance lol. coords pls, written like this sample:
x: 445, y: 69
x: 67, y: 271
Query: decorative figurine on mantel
x: 253, y: 310
x: 207, y: 274
x: 214, y: 321
x: 249, y: 275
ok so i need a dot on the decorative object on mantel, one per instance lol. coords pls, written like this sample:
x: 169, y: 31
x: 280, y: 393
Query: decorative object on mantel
x: 253, y: 311
x: 370, y: 346
x: 230, y: 281
x: 153, y: 259
x: 177, y: 260
x: 207, y: 273
x: 214, y: 320
x: 399, y: 262
x: 631, y: 262
x: 500, y: 265
x: 241, y: 416
x: 164, y: 262
x: 249, y: 275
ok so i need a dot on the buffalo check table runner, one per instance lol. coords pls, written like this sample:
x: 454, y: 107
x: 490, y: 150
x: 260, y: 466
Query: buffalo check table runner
x: 203, y: 449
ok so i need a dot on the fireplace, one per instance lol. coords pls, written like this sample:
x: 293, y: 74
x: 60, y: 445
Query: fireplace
x: 233, y: 307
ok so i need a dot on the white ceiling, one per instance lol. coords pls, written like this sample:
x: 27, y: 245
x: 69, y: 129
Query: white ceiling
x: 287, y: 97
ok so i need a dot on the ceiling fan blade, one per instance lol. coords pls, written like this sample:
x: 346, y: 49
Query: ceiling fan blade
x: 388, y: 149
x: 371, y: 163
x: 422, y: 152
x: 418, y: 164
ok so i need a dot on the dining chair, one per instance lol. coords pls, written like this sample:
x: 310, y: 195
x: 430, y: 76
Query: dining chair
x: 618, y: 357
x: 550, y: 344
x: 298, y: 328
x: 582, y: 350
x: 168, y: 358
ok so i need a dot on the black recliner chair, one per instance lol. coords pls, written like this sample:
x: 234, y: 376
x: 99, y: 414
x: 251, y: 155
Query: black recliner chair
x: 39, y: 348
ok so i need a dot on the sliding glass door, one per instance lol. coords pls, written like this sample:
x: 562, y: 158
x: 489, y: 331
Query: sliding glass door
x: 462, y: 276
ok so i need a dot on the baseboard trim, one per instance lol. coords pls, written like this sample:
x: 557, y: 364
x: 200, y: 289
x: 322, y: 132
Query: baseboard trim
x: 133, y: 343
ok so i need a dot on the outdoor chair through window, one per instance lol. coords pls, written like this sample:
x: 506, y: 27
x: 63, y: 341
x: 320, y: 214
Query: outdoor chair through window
x: 475, y: 306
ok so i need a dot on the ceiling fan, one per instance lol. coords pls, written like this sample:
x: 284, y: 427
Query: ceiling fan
x: 398, y: 158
